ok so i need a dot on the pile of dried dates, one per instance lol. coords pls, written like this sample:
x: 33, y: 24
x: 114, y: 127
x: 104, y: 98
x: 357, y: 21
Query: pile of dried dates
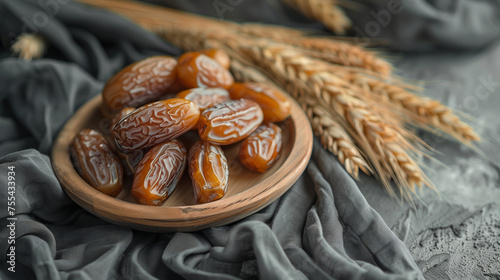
x: 153, y: 102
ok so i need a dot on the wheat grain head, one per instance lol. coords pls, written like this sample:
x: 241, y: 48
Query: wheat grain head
x: 29, y: 46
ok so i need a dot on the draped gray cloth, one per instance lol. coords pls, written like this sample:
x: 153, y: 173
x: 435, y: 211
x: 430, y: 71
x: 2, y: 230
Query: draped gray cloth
x: 423, y: 25
x: 327, y: 226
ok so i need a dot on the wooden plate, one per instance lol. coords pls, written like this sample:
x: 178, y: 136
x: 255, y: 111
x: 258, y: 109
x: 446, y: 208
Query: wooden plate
x: 247, y: 192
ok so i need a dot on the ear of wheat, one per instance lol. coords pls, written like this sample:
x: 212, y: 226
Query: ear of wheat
x: 326, y: 11
x: 344, y: 53
x: 334, y: 137
x: 421, y: 110
x: 331, y: 50
x: 29, y: 46
x: 357, y: 107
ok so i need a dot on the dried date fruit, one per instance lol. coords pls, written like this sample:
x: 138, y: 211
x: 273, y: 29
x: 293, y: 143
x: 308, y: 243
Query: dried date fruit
x: 205, y: 98
x: 155, y: 123
x: 218, y: 55
x: 274, y: 103
x: 96, y: 162
x: 198, y: 70
x: 261, y: 149
x: 175, y: 87
x: 129, y: 159
x: 140, y: 83
x: 229, y: 122
x: 123, y: 113
x: 208, y: 170
x: 159, y: 172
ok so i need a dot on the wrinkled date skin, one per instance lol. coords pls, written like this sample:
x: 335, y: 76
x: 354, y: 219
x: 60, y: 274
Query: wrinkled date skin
x: 132, y: 158
x: 261, y: 149
x: 159, y: 172
x: 229, y: 122
x: 218, y: 55
x: 155, y: 123
x: 96, y: 162
x: 209, y: 171
x: 123, y: 113
x: 198, y: 70
x: 140, y: 83
x: 274, y: 103
x: 205, y: 98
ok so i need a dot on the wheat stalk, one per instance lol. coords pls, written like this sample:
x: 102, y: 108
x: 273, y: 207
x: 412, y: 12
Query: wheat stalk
x: 420, y: 109
x: 325, y: 11
x: 383, y: 144
x: 332, y: 136
x: 186, y: 39
x: 275, y: 32
x: 344, y: 53
x: 328, y: 49
x: 29, y: 46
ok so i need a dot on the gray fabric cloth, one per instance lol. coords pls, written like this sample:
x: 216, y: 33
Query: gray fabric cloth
x: 423, y: 25
x: 325, y: 227
x: 95, y: 40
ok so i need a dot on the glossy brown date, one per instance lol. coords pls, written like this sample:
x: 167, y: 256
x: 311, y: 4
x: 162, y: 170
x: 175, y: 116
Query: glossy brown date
x: 209, y: 171
x: 274, y: 103
x: 218, y: 55
x: 96, y: 162
x: 175, y: 87
x: 159, y: 172
x: 205, y: 98
x: 120, y: 115
x: 155, y: 123
x: 261, y: 149
x: 132, y: 158
x: 198, y: 70
x: 140, y: 83
x: 229, y: 122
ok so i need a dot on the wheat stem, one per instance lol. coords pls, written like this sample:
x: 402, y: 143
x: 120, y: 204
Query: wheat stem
x: 344, y: 53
